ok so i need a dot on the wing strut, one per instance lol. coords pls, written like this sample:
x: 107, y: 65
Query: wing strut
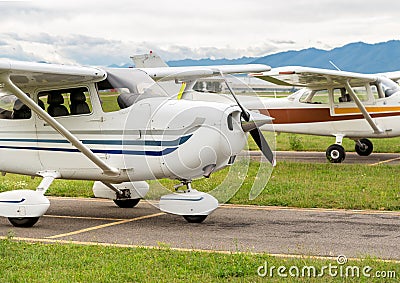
x: 364, y: 111
x: 108, y: 170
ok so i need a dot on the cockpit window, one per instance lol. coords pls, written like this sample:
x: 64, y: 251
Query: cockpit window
x: 123, y: 87
x: 389, y: 87
x: 300, y: 92
x: 315, y: 96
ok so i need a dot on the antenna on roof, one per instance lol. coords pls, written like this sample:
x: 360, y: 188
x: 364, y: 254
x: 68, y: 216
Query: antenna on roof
x: 333, y: 64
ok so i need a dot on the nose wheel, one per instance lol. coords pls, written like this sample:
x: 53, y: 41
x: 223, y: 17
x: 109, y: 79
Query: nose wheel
x: 192, y: 205
x: 335, y: 153
x: 195, y: 218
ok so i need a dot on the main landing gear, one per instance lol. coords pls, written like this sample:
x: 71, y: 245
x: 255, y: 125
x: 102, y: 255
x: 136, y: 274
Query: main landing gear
x: 364, y: 147
x: 126, y: 203
x: 336, y: 153
x: 23, y: 208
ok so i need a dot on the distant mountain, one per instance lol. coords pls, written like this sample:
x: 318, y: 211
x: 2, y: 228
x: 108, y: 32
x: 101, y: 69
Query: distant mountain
x: 357, y: 57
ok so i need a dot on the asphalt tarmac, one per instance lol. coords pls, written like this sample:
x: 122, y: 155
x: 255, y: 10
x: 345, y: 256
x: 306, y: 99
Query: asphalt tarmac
x: 273, y: 230
x: 319, y: 157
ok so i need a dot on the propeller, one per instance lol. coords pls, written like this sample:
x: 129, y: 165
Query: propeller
x: 252, y: 122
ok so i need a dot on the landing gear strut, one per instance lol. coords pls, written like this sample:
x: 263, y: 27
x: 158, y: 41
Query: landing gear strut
x: 364, y: 147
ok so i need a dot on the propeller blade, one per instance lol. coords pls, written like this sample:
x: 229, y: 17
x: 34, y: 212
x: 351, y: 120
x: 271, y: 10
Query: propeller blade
x: 263, y: 145
x: 251, y: 124
x: 255, y: 120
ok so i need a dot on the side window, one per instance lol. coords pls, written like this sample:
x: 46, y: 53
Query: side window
x: 361, y: 93
x: 11, y: 107
x: 341, y: 95
x: 64, y: 102
x: 376, y: 93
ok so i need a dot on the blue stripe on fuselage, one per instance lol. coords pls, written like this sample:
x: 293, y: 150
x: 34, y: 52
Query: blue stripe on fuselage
x: 176, y: 142
x: 12, y: 201
x: 172, y: 145
x: 105, y: 151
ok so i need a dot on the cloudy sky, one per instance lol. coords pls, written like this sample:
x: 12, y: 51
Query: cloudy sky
x: 105, y: 32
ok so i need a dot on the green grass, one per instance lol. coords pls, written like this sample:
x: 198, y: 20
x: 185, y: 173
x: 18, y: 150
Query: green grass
x: 344, y: 186
x: 347, y: 186
x: 320, y: 143
x: 25, y: 262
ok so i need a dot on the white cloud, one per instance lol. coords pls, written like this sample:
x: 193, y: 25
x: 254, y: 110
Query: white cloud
x: 105, y: 32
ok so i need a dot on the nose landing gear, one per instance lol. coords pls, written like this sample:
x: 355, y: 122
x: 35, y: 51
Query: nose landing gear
x: 193, y: 205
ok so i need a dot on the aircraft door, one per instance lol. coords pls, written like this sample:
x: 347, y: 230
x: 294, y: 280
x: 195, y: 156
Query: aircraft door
x: 18, y: 140
x: 71, y: 107
x: 345, y: 110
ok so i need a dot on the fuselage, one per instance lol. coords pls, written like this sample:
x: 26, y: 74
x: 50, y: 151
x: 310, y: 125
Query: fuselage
x: 155, y: 137
x: 323, y: 112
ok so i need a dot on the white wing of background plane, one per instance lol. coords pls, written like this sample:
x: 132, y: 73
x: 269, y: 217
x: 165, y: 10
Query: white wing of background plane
x: 313, y: 77
x: 196, y: 72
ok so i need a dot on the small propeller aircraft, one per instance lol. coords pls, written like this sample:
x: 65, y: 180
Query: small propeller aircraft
x: 329, y: 103
x: 119, y: 128
x: 335, y: 103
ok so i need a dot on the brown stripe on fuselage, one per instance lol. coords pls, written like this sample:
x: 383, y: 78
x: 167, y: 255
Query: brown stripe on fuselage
x: 313, y: 115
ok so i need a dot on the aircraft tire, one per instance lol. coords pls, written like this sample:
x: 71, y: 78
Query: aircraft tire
x: 23, y: 222
x: 126, y: 203
x: 195, y: 218
x: 335, y: 153
x: 366, y: 149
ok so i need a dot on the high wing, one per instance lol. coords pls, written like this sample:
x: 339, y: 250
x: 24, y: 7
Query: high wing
x: 314, y: 77
x: 196, y: 72
x: 26, y: 74
x: 395, y: 76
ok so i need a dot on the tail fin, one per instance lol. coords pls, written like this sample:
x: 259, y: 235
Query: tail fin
x: 150, y: 60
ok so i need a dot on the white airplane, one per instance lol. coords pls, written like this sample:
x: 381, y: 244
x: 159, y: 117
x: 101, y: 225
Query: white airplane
x: 63, y: 122
x: 335, y: 103
x: 329, y: 103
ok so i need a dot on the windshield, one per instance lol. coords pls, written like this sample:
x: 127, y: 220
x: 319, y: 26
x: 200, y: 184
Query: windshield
x: 300, y: 92
x: 389, y: 87
x: 7, y: 103
x: 131, y: 80
x: 124, y: 87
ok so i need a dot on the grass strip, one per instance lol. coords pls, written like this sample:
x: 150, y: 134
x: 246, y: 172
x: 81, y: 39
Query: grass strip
x: 36, y: 262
